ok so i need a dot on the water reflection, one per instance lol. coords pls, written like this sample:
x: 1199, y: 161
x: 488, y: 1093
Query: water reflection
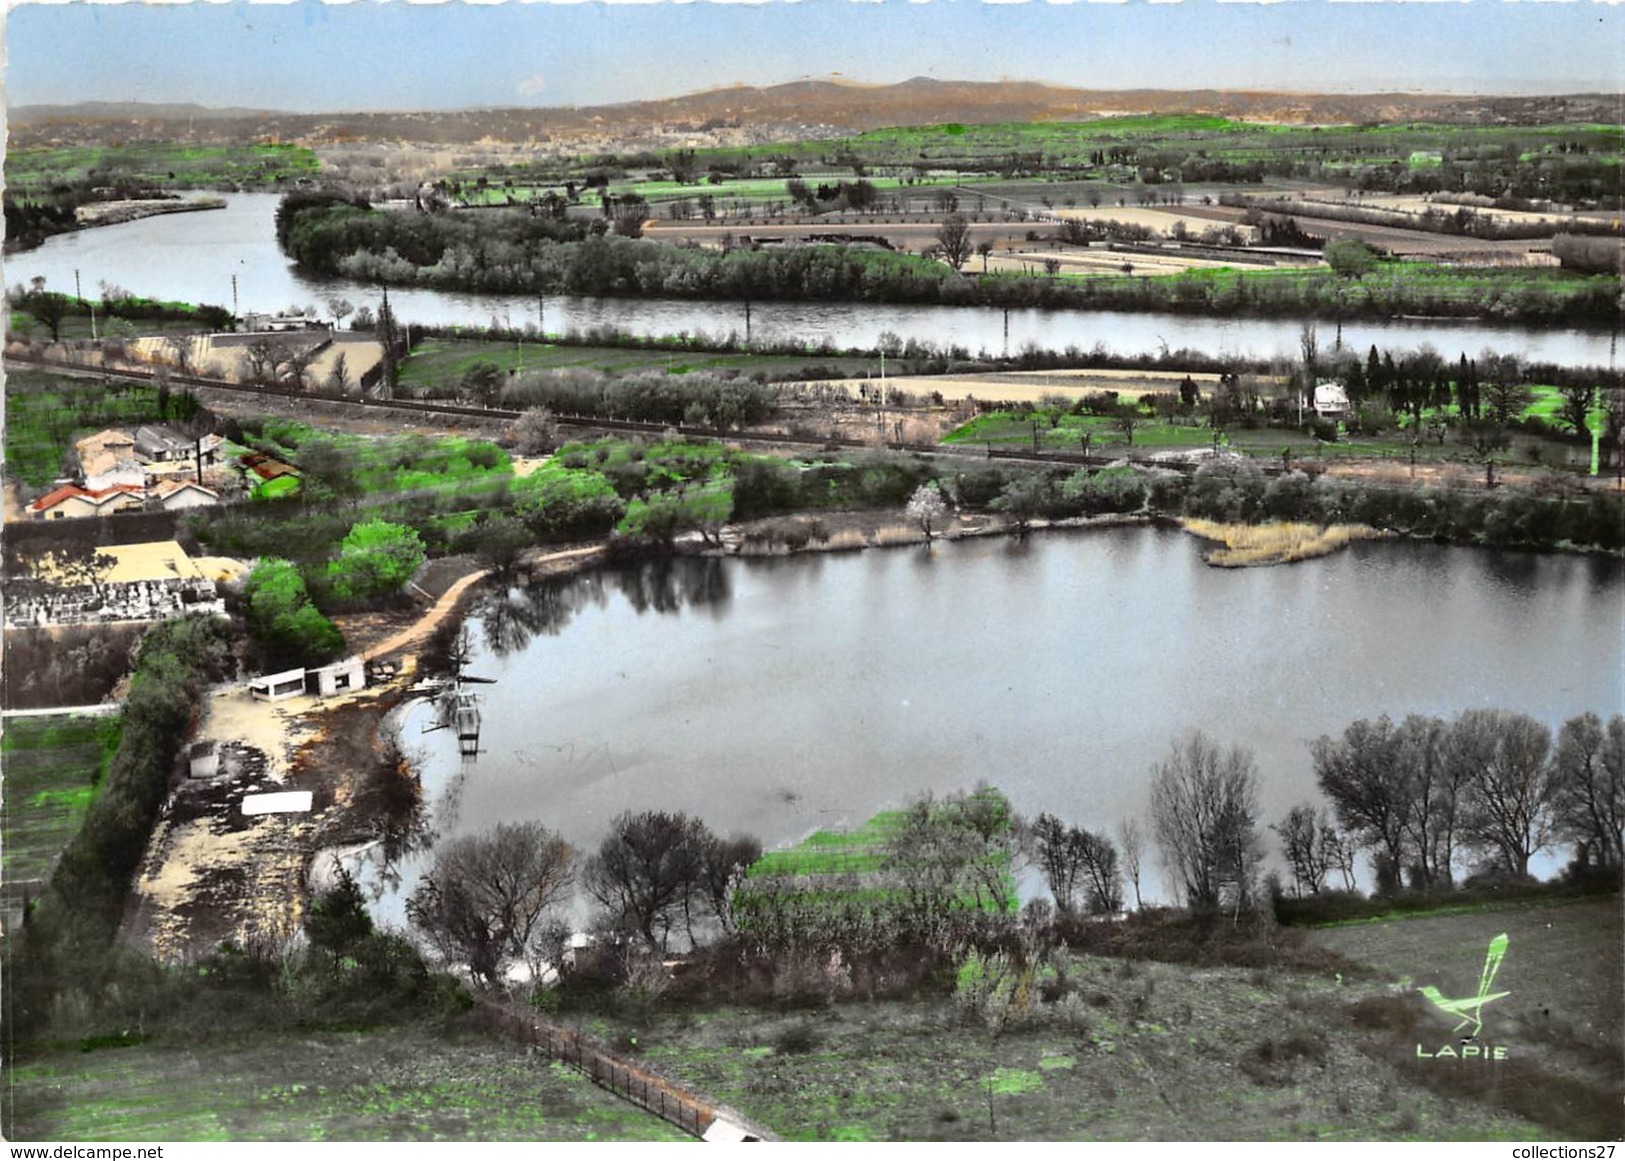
x: 510, y: 620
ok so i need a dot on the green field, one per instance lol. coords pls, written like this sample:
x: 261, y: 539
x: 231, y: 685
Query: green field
x: 387, y: 1085
x: 1072, y: 145
x: 436, y: 363
x: 53, y: 768
x: 166, y: 166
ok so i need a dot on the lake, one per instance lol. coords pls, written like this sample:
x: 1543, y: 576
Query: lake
x: 778, y: 696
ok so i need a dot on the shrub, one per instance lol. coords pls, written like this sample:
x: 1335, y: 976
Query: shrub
x: 375, y: 560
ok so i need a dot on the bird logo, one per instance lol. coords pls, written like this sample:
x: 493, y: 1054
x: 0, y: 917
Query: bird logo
x: 1470, y: 1009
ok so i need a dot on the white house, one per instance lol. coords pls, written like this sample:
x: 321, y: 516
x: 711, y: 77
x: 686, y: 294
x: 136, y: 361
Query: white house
x: 1329, y: 400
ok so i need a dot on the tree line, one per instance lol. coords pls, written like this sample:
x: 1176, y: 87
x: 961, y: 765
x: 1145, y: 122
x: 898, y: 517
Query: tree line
x: 507, y: 252
x: 1492, y: 786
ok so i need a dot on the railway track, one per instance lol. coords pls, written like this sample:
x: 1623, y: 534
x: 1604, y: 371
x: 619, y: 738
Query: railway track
x: 582, y: 422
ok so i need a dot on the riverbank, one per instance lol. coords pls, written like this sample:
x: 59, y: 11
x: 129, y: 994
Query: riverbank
x: 93, y: 214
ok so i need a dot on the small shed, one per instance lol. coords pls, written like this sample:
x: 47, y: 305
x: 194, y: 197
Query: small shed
x: 204, y: 758
x: 339, y: 677
x: 278, y: 686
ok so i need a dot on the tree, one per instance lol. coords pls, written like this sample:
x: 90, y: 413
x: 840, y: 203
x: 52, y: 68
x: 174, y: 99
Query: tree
x: 339, y: 376
x: 260, y: 359
x: 1058, y: 859
x: 287, y: 627
x: 535, y: 432
x: 341, y: 308
x: 482, y: 382
x: 1509, y: 788
x: 73, y: 563
x: 1349, y: 257
x: 1127, y: 418
x: 326, y: 471
x: 179, y: 349
x: 953, y: 236
x: 1132, y: 843
x: 1575, y: 410
x: 952, y: 855
x: 1204, y: 814
x: 375, y: 560
x: 1589, y: 800
x: 1366, y: 780
x: 927, y: 508
x: 723, y: 865
x: 1303, y: 841
x: 1434, y: 784
x: 647, y: 872
x: 500, y: 542
x: 489, y: 898
x: 336, y: 921
x: 49, y: 308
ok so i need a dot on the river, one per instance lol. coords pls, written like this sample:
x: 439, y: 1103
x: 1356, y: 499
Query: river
x: 773, y: 697
x: 194, y: 257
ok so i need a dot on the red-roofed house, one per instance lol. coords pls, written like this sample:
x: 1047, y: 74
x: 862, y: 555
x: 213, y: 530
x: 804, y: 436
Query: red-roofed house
x: 71, y: 500
x: 185, y: 494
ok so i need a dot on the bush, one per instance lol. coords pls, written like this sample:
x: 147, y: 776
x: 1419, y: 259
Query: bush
x: 375, y: 560
x: 287, y: 627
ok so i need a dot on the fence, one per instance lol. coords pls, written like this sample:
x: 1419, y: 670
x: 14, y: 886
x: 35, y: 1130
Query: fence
x: 642, y: 1086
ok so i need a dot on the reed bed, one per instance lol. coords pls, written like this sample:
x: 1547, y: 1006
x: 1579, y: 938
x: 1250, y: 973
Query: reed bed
x: 1253, y: 545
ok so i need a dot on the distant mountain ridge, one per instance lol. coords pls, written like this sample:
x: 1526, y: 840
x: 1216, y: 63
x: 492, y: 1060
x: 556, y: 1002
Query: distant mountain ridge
x: 797, y: 109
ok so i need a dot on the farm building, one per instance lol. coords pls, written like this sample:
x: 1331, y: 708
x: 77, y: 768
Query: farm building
x: 1329, y: 400
x: 161, y: 445
x: 108, y: 458
x: 180, y: 495
x: 339, y: 677
x: 278, y: 686
x: 70, y: 501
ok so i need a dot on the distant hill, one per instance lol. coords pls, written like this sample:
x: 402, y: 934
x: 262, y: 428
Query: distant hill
x: 797, y: 110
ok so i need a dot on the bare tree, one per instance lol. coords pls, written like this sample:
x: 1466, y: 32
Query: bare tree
x: 1435, y: 791
x: 1590, y: 792
x: 260, y: 361
x: 1058, y: 859
x: 723, y: 865
x: 647, y: 871
x: 487, y: 900
x: 1509, y: 786
x: 1132, y: 843
x: 1365, y: 777
x: 927, y: 508
x: 953, y: 236
x: 1302, y: 843
x: 1204, y: 812
x: 179, y: 348
x: 1077, y: 861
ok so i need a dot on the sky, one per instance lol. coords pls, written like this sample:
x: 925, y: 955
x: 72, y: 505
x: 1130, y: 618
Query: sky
x: 309, y: 56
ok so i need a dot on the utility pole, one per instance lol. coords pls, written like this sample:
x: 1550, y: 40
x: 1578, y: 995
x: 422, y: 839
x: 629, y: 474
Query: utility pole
x: 233, y: 298
x: 78, y: 293
x: 747, y: 324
